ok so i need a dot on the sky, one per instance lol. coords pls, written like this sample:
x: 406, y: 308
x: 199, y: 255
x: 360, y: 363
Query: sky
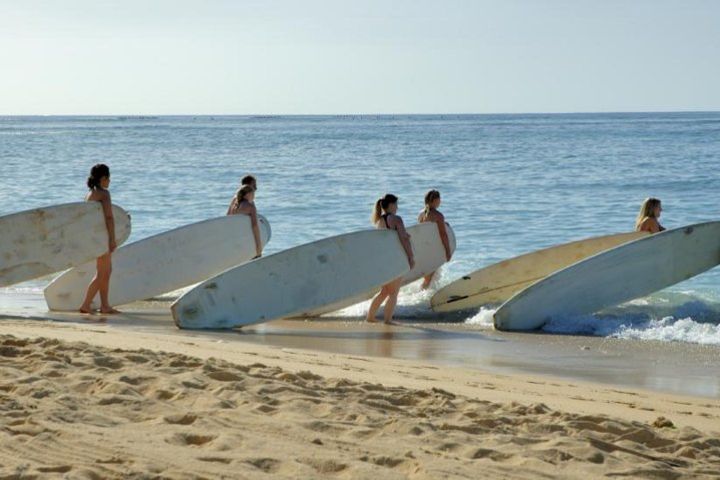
x: 153, y: 57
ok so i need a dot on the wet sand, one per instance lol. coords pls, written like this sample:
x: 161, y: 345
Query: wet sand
x: 681, y: 368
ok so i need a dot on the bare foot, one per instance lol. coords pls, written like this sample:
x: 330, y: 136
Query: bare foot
x: 86, y: 311
x: 389, y: 322
x: 109, y: 311
x: 371, y: 320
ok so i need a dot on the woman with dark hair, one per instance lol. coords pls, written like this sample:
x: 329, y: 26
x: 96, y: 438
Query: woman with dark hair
x: 385, y: 217
x: 431, y: 214
x: 244, y: 204
x: 98, y: 183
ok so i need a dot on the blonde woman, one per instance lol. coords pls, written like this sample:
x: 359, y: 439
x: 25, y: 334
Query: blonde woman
x: 385, y: 217
x: 431, y: 214
x: 648, y: 218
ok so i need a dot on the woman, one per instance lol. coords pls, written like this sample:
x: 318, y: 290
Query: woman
x: 385, y: 217
x: 647, y: 219
x: 98, y: 182
x: 431, y: 214
x: 243, y: 203
x: 246, y: 180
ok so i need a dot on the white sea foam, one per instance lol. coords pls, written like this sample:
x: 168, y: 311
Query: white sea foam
x: 483, y: 318
x: 673, y: 330
x: 685, y: 316
x: 670, y: 316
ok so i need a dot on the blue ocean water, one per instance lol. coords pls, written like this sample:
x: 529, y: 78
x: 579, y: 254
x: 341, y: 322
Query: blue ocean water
x: 510, y: 184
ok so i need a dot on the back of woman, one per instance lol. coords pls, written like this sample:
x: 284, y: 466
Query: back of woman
x: 385, y: 217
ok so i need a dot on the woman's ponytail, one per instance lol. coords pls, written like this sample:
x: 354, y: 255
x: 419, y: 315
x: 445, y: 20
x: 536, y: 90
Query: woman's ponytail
x: 381, y: 205
x: 242, y: 193
x: 430, y: 197
x: 377, y: 211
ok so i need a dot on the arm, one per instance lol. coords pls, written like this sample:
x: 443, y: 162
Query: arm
x: 256, y: 231
x: 109, y: 220
x: 404, y: 240
x: 444, y: 236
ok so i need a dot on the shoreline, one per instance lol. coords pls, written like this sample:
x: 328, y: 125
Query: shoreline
x: 666, y: 367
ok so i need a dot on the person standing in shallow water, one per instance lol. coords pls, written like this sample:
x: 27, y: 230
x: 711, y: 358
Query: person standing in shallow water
x: 431, y: 214
x: 244, y: 204
x: 98, y: 182
x: 248, y: 180
x: 385, y: 217
x: 648, y: 220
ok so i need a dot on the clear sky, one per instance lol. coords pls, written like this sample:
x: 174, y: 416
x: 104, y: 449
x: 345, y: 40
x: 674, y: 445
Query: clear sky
x: 357, y: 56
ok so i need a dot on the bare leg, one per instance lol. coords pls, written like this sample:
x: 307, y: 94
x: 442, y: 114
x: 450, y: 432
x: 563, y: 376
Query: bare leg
x: 377, y: 301
x: 104, y: 271
x: 392, y: 300
x: 92, y: 289
x: 427, y: 281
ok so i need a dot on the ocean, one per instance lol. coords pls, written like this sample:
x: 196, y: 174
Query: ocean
x: 510, y: 184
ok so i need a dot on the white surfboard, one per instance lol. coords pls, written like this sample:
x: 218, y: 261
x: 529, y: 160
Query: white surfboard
x: 497, y: 282
x: 429, y: 256
x: 46, y: 240
x: 164, y: 262
x: 610, y: 278
x: 303, y: 278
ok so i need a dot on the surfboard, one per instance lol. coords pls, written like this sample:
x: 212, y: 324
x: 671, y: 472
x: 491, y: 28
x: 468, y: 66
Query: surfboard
x: 497, y: 282
x: 614, y: 276
x: 164, y: 262
x: 429, y: 256
x: 299, y: 279
x: 41, y: 241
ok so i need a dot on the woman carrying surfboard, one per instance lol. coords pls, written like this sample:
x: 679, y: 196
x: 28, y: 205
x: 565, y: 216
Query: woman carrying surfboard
x: 648, y: 218
x: 385, y: 216
x: 98, y: 183
x: 247, y: 180
x: 431, y: 214
x: 244, y: 204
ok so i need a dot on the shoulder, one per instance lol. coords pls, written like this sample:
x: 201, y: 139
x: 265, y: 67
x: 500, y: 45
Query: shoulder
x: 648, y: 224
x: 246, y: 207
x: 102, y: 194
x: 438, y: 216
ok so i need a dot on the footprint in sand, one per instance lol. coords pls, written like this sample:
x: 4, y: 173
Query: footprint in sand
x: 224, y: 376
x: 267, y: 465
x: 180, y: 419
x: 324, y: 466
x: 383, y: 461
x: 190, y: 439
x: 108, y: 362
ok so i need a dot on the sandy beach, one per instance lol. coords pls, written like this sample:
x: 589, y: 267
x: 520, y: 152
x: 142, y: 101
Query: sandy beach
x: 84, y: 399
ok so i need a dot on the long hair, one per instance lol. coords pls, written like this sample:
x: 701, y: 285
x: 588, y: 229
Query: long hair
x: 97, y: 172
x: 381, y: 205
x: 242, y: 193
x: 647, y: 210
x: 430, y: 197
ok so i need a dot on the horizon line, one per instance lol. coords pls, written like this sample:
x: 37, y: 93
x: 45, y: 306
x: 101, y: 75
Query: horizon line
x: 136, y: 115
